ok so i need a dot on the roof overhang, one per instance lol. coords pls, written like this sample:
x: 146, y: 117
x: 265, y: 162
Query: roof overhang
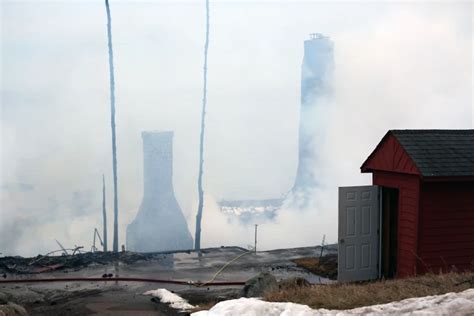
x: 400, y: 161
x: 449, y: 179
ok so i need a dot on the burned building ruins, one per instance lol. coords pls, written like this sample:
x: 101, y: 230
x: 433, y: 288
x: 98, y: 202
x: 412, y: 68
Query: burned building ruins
x: 316, y: 78
x: 159, y: 224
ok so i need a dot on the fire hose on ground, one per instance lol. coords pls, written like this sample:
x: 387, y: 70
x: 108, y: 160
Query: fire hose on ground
x: 123, y: 279
x: 211, y: 282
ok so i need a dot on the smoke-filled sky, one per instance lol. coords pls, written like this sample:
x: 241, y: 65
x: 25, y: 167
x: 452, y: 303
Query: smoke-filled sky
x: 397, y: 65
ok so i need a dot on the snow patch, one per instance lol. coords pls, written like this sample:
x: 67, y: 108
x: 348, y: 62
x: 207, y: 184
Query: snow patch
x: 254, y: 307
x: 175, y: 301
x: 447, y: 304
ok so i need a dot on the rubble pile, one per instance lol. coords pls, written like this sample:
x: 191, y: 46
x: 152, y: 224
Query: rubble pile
x: 41, y: 264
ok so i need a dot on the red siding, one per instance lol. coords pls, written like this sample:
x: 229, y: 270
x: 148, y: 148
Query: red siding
x: 447, y: 226
x: 436, y: 215
x: 408, y: 206
x: 390, y: 156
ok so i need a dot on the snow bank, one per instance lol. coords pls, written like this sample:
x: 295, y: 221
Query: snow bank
x: 174, y: 300
x: 254, y: 307
x: 447, y: 304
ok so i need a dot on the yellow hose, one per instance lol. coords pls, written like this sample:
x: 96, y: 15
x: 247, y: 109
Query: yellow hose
x: 225, y: 266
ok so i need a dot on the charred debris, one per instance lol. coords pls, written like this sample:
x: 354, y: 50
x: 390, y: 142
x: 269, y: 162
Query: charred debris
x: 77, y: 261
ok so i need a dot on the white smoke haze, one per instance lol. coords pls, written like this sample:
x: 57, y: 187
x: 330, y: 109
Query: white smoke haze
x: 397, y: 65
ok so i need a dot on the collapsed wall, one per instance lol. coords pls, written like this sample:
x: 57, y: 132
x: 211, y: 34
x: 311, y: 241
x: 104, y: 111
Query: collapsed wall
x: 159, y: 224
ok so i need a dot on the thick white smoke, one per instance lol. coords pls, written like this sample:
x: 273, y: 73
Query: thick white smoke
x: 409, y: 72
x: 396, y: 66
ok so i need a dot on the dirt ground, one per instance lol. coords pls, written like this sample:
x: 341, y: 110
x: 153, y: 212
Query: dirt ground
x: 45, y: 301
x: 325, y: 266
x: 125, y: 298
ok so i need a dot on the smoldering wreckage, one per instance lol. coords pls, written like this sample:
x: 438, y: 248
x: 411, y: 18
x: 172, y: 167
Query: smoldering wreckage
x: 92, y: 282
x: 159, y: 246
x: 160, y: 251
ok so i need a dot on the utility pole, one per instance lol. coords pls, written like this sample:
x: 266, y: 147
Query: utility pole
x: 255, y: 247
x: 104, y: 214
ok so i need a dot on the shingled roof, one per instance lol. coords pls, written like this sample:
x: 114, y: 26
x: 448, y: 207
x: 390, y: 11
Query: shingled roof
x: 439, y: 153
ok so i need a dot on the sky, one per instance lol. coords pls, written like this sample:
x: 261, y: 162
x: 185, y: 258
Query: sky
x: 397, y: 65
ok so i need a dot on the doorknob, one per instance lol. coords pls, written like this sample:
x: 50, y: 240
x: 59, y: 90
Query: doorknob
x: 341, y: 240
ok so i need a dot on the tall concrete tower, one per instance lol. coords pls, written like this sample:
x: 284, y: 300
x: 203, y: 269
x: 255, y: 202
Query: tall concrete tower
x: 316, y: 75
x: 159, y: 224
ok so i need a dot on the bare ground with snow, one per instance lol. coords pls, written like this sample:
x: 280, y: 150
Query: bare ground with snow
x: 447, y: 304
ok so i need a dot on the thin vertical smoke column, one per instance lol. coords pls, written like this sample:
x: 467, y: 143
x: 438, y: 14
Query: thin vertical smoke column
x: 104, y: 214
x: 197, y: 238
x: 112, y: 123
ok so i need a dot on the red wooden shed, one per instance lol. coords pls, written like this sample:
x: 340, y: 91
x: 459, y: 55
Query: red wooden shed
x: 427, y: 180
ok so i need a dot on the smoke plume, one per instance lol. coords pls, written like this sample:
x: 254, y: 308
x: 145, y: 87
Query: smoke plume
x: 397, y: 65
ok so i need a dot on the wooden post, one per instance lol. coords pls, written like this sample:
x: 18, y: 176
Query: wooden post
x: 104, y: 215
x: 255, y: 247
x: 322, y: 246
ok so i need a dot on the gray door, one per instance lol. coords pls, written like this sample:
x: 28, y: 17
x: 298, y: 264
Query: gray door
x: 359, y: 224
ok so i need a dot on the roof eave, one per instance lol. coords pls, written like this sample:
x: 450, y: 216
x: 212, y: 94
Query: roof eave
x: 448, y: 178
x: 363, y: 167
